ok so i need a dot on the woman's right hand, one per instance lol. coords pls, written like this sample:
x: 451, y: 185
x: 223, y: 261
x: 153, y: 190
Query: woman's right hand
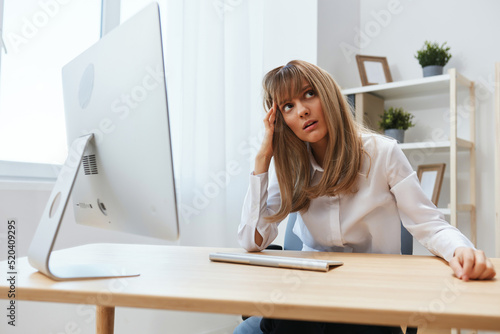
x: 263, y: 158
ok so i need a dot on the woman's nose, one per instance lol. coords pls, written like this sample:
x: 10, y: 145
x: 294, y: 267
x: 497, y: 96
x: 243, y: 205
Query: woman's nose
x: 302, y: 109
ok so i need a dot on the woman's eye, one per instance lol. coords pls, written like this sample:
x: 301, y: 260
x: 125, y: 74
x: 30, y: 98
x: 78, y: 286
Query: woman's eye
x: 287, y: 107
x: 310, y: 93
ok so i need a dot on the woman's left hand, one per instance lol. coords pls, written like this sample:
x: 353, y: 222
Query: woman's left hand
x: 468, y: 263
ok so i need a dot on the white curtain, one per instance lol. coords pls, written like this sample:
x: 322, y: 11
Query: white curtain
x: 213, y: 57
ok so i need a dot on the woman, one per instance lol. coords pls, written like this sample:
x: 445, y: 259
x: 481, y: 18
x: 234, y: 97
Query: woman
x: 351, y: 187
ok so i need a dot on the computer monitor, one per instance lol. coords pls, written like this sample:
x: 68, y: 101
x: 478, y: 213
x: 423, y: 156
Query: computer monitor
x: 119, y: 170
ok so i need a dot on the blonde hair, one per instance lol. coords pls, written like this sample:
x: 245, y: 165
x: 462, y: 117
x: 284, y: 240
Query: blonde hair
x: 344, y: 153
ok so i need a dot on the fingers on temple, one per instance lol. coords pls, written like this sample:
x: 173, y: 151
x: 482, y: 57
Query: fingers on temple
x: 266, y: 119
x: 270, y: 116
x: 273, y: 114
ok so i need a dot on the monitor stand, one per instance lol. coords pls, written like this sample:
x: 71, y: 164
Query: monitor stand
x: 46, y: 232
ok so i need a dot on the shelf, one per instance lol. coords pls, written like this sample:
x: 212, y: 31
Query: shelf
x: 408, y: 88
x: 443, y: 146
x: 437, y: 84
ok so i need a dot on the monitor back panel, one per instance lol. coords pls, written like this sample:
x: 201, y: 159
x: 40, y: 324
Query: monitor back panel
x: 116, y: 90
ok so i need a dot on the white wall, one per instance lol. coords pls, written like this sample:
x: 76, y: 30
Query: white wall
x: 338, y: 26
x: 290, y: 32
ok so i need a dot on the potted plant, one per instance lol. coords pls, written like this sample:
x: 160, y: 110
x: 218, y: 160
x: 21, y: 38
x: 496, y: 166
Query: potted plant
x: 433, y: 57
x: 394, y: 122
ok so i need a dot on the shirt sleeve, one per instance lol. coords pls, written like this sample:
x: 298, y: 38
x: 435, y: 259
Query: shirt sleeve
x: 260, y: 201
x: 418, y: 214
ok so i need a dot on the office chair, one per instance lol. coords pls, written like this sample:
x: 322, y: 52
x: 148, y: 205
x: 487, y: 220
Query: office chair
x: 251, y: 325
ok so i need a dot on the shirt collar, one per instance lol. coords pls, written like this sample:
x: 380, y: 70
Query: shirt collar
x: 315, y: 166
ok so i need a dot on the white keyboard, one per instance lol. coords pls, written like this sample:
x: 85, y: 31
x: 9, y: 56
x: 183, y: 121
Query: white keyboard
x: 275, y: 261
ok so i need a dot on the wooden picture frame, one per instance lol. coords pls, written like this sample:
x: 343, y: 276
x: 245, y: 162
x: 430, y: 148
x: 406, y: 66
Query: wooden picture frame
x: 431, y: 179
x: 373, y: 70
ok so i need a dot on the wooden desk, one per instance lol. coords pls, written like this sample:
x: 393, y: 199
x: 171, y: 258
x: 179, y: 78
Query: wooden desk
x: 369, y: 288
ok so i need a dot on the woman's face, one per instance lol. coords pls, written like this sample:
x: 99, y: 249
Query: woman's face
x: 304, y: 115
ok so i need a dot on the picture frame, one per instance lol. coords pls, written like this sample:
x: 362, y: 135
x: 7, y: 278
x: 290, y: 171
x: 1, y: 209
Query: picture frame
x: 431, y: 179
x: 373, y: 70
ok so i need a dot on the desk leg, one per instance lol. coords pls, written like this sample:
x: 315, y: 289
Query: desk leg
x: 104, y: 320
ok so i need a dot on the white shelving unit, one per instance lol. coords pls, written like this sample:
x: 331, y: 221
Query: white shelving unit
x: 446, y: 83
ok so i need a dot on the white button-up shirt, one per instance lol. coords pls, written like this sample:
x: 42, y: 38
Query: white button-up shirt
x: 367, y: 221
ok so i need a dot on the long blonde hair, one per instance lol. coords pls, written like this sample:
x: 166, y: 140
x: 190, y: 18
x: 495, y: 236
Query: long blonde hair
x: 344, y: 152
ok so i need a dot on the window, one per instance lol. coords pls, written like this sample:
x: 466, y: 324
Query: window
x: 130, y: 7
x: 40, y: 36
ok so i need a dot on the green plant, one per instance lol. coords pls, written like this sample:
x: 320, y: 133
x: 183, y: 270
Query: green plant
x: 433, y: 54
x: 396, y: 118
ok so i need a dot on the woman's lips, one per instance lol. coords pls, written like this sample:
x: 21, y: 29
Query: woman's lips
x: 312, y: 126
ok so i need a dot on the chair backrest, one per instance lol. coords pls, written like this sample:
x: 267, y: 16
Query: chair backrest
x: 406, y: 241
x: 292, y: 241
